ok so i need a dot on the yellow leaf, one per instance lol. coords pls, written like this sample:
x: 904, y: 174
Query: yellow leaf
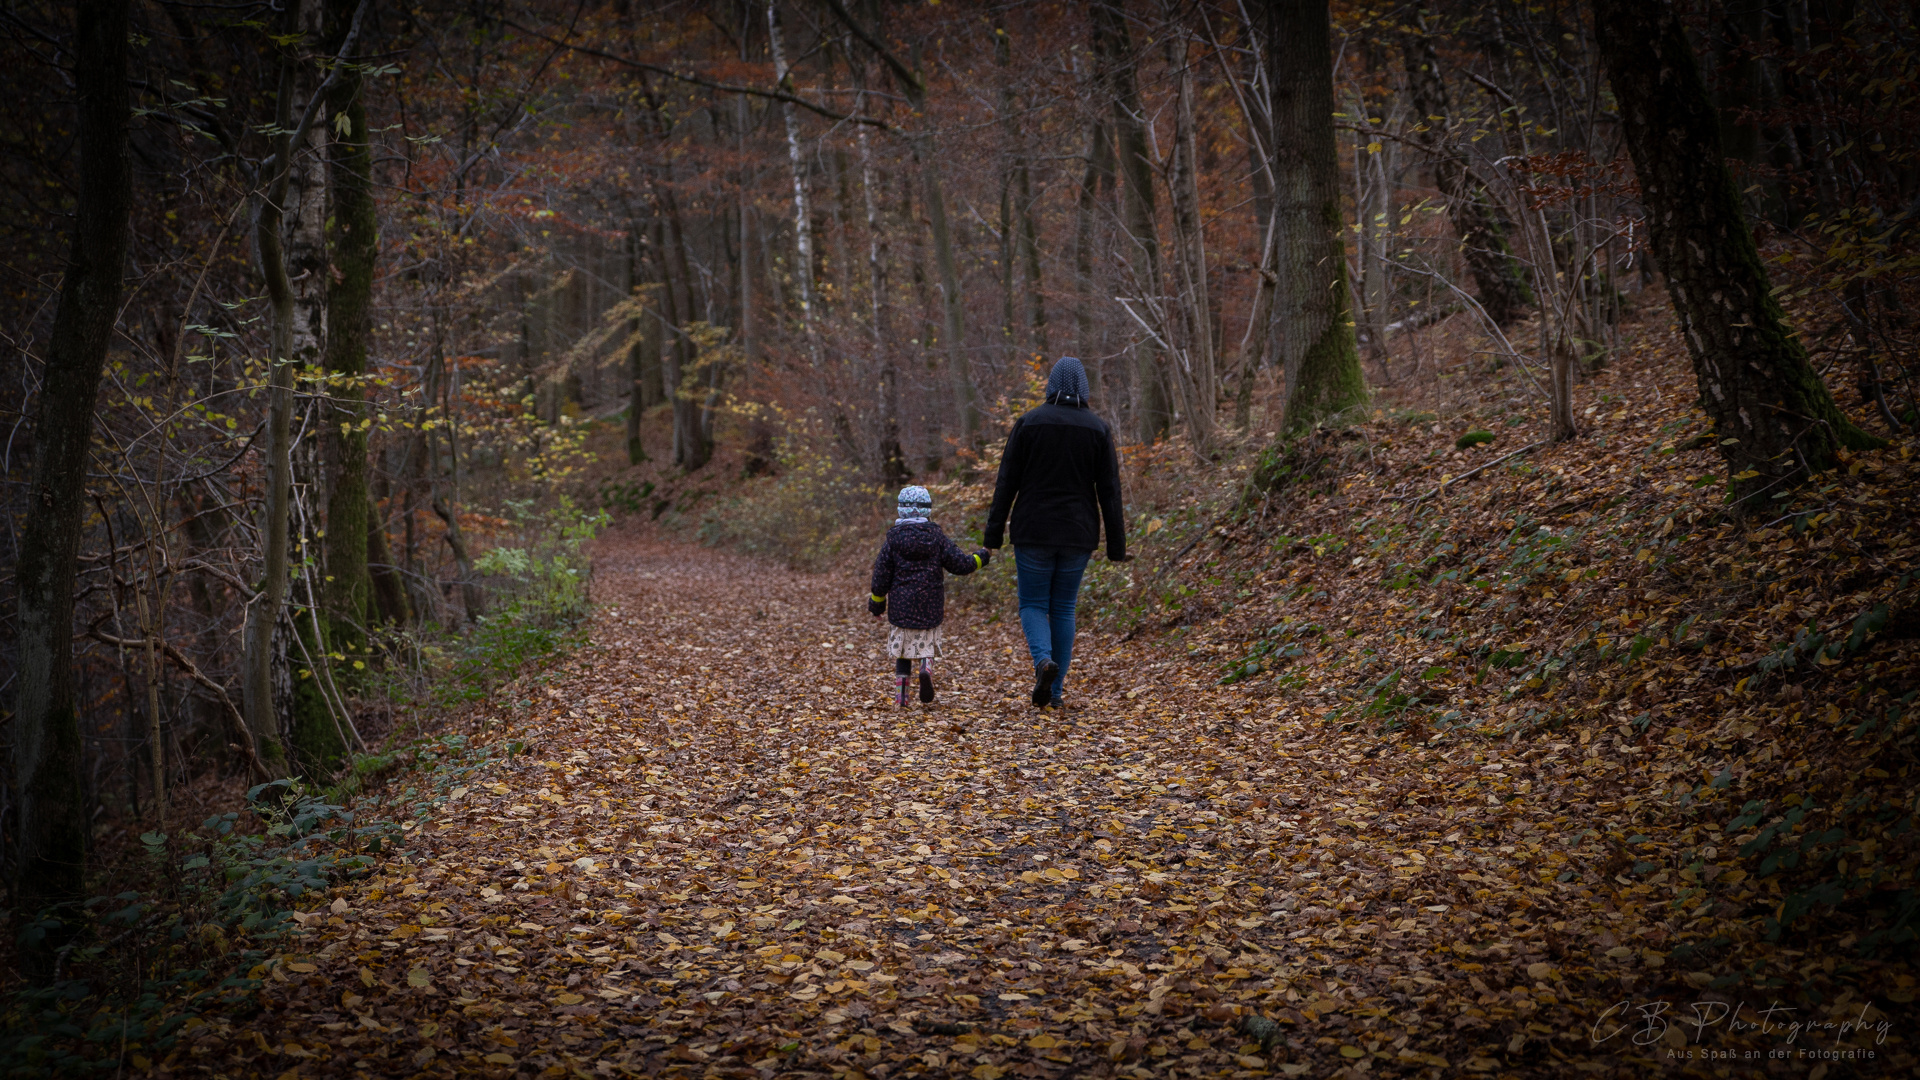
x: 497, y: 1058
x: 418, y: 977
x: 366, y: 976
x: 1373, y: 148
x: 1043, y: 1042
x: 569, y: 999
x: 1352, y: 1052
x: 303, y: 969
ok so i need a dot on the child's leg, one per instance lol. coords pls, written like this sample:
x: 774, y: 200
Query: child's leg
x: 902, y: 673
x: 926, y: 679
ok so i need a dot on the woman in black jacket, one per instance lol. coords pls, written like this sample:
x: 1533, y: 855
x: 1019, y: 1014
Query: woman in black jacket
x: 1059, y: 479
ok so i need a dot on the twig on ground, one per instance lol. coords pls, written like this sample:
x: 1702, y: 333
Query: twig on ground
x: 1477, y: 470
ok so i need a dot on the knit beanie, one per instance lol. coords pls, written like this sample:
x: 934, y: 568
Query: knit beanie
x: 915, y: 503
x: 1067, y: 383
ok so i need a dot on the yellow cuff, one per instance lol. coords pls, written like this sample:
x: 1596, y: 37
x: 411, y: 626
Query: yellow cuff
x: 977, y: 564
x: 878, y: 599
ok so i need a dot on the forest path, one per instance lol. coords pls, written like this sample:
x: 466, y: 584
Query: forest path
x: 723, y: 850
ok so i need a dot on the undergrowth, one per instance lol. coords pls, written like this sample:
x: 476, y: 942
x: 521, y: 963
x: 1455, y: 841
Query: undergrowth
x: 539, y: 599
x: 204, y: 916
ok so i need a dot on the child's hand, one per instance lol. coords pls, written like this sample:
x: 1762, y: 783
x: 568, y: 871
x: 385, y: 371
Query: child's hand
x: 984, y: 556
x: 876, y: 606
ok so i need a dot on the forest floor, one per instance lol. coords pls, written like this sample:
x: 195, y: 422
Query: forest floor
x: 1555, y: 769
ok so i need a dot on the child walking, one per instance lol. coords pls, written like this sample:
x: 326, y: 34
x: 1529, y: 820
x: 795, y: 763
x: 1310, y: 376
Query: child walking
x: 910, y: 588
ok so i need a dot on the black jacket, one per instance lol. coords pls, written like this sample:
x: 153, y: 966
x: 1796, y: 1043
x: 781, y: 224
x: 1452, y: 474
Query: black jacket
x: 907, y: 572
x: 1058, y: 478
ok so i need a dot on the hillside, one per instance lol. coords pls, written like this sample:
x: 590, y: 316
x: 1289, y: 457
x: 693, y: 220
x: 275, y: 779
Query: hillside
x: 1510, y: 735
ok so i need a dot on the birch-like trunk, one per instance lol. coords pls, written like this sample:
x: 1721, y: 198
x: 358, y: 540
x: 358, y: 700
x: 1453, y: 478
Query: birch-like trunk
x: 796, y: 161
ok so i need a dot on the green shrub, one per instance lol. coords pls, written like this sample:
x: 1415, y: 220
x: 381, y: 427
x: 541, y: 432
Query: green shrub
x: 145, y: 963
x: 1473, y: 438
x: 538, y: 604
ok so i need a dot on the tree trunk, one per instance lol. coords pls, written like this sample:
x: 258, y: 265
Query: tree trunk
x: 1256, y: 106
x: 637, y: 339
x: 1259, y: 336
x: 1023, y: 236
x: 1096, y: 185
x: 51, y: 830
x: 959, y: 370
x: 1500, y: 277
x: 355, y: 246
x: 1183, y: 184
x: 1115, y: 60
x: 389, y: 590
x: 1775, y: 421
x: 893, y: 461
x: 306, y: 205
x: 442, y: 388
x: 263, y: 653
x: 692, y: 443
x: 1323, y: 366
x: 797, y: 162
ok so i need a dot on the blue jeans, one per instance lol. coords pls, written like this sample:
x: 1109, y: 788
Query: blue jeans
x: 1049, y: 581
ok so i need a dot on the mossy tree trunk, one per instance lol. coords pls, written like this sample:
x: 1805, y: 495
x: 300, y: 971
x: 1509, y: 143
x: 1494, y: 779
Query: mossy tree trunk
x: 1775, y: 420
x: 354, y: 247
x: 1316, y: 312
x: 50, y: 824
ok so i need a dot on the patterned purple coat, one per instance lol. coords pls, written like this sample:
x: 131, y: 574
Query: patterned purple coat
x: 908, y: 572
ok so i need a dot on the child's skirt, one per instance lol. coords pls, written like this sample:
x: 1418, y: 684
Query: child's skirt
x: 912, y: 644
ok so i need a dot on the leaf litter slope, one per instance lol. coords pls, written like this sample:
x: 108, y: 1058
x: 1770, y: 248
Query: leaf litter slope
x: 723, y: 851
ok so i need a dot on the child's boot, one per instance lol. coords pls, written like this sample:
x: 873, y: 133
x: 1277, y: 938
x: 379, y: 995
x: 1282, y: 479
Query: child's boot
x: 926, y: 681
x: 902, y: 672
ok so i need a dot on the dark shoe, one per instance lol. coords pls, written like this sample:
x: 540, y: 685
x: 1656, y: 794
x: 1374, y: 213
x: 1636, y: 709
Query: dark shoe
x: 926, y: 687
x: 1043, y: 677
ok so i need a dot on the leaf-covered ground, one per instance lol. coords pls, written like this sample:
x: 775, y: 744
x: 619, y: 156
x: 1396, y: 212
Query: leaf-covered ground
x: 1554, y: 771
